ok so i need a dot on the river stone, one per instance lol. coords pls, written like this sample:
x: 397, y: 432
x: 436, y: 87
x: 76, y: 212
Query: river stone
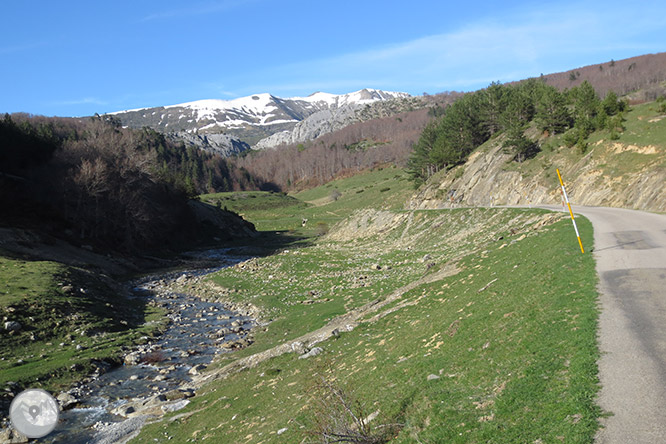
x: 132, y: 358
x: 174, y: 395
x: 155, y: 400
x: 12, y: 436
x: 123, y: 410
x: 66, y: 400
x: 196, y: 369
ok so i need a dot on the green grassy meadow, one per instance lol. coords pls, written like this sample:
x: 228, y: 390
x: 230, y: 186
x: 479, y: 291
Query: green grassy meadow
x: 502, y: 351
x: 379, y: 188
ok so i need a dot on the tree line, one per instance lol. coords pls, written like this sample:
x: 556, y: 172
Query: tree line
x: 122, y: 188
x: 476, y: 117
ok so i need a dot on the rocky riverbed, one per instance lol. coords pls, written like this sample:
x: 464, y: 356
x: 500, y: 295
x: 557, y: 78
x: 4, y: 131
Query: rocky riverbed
x: 160, y: 376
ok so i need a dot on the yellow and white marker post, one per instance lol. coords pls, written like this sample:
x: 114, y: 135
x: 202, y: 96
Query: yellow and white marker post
x: 566, y: 198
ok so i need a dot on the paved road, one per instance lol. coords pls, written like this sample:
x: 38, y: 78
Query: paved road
x: 630, y: 249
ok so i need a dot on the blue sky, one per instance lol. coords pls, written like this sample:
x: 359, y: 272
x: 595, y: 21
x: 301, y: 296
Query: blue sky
x: 75, y: 58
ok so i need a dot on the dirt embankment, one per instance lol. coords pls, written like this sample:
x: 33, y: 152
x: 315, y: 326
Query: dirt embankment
x: 610, y: 174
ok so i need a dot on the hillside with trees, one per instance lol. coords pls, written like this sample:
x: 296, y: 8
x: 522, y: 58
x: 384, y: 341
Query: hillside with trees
x: 478, y: 116
x: 347, y: 151
x: 98, y: 183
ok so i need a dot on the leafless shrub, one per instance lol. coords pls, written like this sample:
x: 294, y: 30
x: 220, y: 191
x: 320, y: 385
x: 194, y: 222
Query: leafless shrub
x: 339, y: 417
x: 322, y: 228
x: 153, y: 357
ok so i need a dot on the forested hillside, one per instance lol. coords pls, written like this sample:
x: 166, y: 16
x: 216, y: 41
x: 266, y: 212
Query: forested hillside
x: 96, y: 182
x: 512, y: 110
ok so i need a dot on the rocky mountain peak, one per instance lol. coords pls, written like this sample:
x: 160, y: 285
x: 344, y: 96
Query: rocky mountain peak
x: 246, y: 120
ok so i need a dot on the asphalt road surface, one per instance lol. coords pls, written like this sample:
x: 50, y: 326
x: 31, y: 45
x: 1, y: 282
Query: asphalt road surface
x: 630, y: 250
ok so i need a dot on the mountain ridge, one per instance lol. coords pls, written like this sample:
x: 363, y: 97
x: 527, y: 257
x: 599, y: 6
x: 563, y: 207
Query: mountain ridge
x: 247, y: 119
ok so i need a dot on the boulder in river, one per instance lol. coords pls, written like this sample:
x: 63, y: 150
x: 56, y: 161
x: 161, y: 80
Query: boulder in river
x: 132, y: 358
x: 66, y: 400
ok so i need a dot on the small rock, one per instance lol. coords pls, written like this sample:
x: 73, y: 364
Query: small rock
x: 175, y: 406
x: 282, y: 430
x: 12, y: 436
x: 174, y: 395
x: 432, y: 377
x: 66, y: 400
x: 183, y: 278
x: 196, y: 369
x: 13, y: 326
x: 314, y: 352
x: 123, y: 410
x: 298, y: 347
x: 132, y: 358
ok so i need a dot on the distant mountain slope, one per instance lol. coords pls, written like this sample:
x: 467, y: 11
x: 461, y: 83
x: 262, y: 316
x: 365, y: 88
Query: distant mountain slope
x: 333, y: 119
x: 247, y: 119
x: 646, y: 73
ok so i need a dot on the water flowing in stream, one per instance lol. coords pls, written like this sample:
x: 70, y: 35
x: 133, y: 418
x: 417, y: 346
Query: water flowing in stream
x: 161, y: 378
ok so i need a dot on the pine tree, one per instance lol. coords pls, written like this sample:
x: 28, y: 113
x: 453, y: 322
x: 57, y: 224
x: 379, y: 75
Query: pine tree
x: 552, y: 114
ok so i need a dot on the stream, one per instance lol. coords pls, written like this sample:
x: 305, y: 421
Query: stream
x: 157, y: 375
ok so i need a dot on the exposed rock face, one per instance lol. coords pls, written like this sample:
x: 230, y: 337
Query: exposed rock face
x: 319, y: 123
x: 222, y: 144
x: 333, y: 119
x: 489, y: 177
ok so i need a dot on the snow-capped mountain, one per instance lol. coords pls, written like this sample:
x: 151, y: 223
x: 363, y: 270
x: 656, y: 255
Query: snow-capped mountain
x: 250, y: 118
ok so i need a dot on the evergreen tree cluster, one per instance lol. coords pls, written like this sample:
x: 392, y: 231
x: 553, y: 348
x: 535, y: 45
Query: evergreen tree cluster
x: 510, y: 109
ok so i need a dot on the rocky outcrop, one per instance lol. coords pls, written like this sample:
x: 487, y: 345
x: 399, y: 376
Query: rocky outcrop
x: 319, y: 123
x: 333, y: 119
x: 610, y: 174
x: 222, y: 144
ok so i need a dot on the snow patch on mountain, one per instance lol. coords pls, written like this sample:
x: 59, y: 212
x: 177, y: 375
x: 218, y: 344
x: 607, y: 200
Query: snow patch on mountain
x: 252, y: 118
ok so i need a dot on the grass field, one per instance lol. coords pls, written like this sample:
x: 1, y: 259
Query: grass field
x: 380, y: 188
x: 502, y: 351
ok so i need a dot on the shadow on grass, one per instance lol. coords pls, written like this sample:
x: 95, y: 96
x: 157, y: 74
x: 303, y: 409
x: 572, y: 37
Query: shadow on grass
x: 267, y: 243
